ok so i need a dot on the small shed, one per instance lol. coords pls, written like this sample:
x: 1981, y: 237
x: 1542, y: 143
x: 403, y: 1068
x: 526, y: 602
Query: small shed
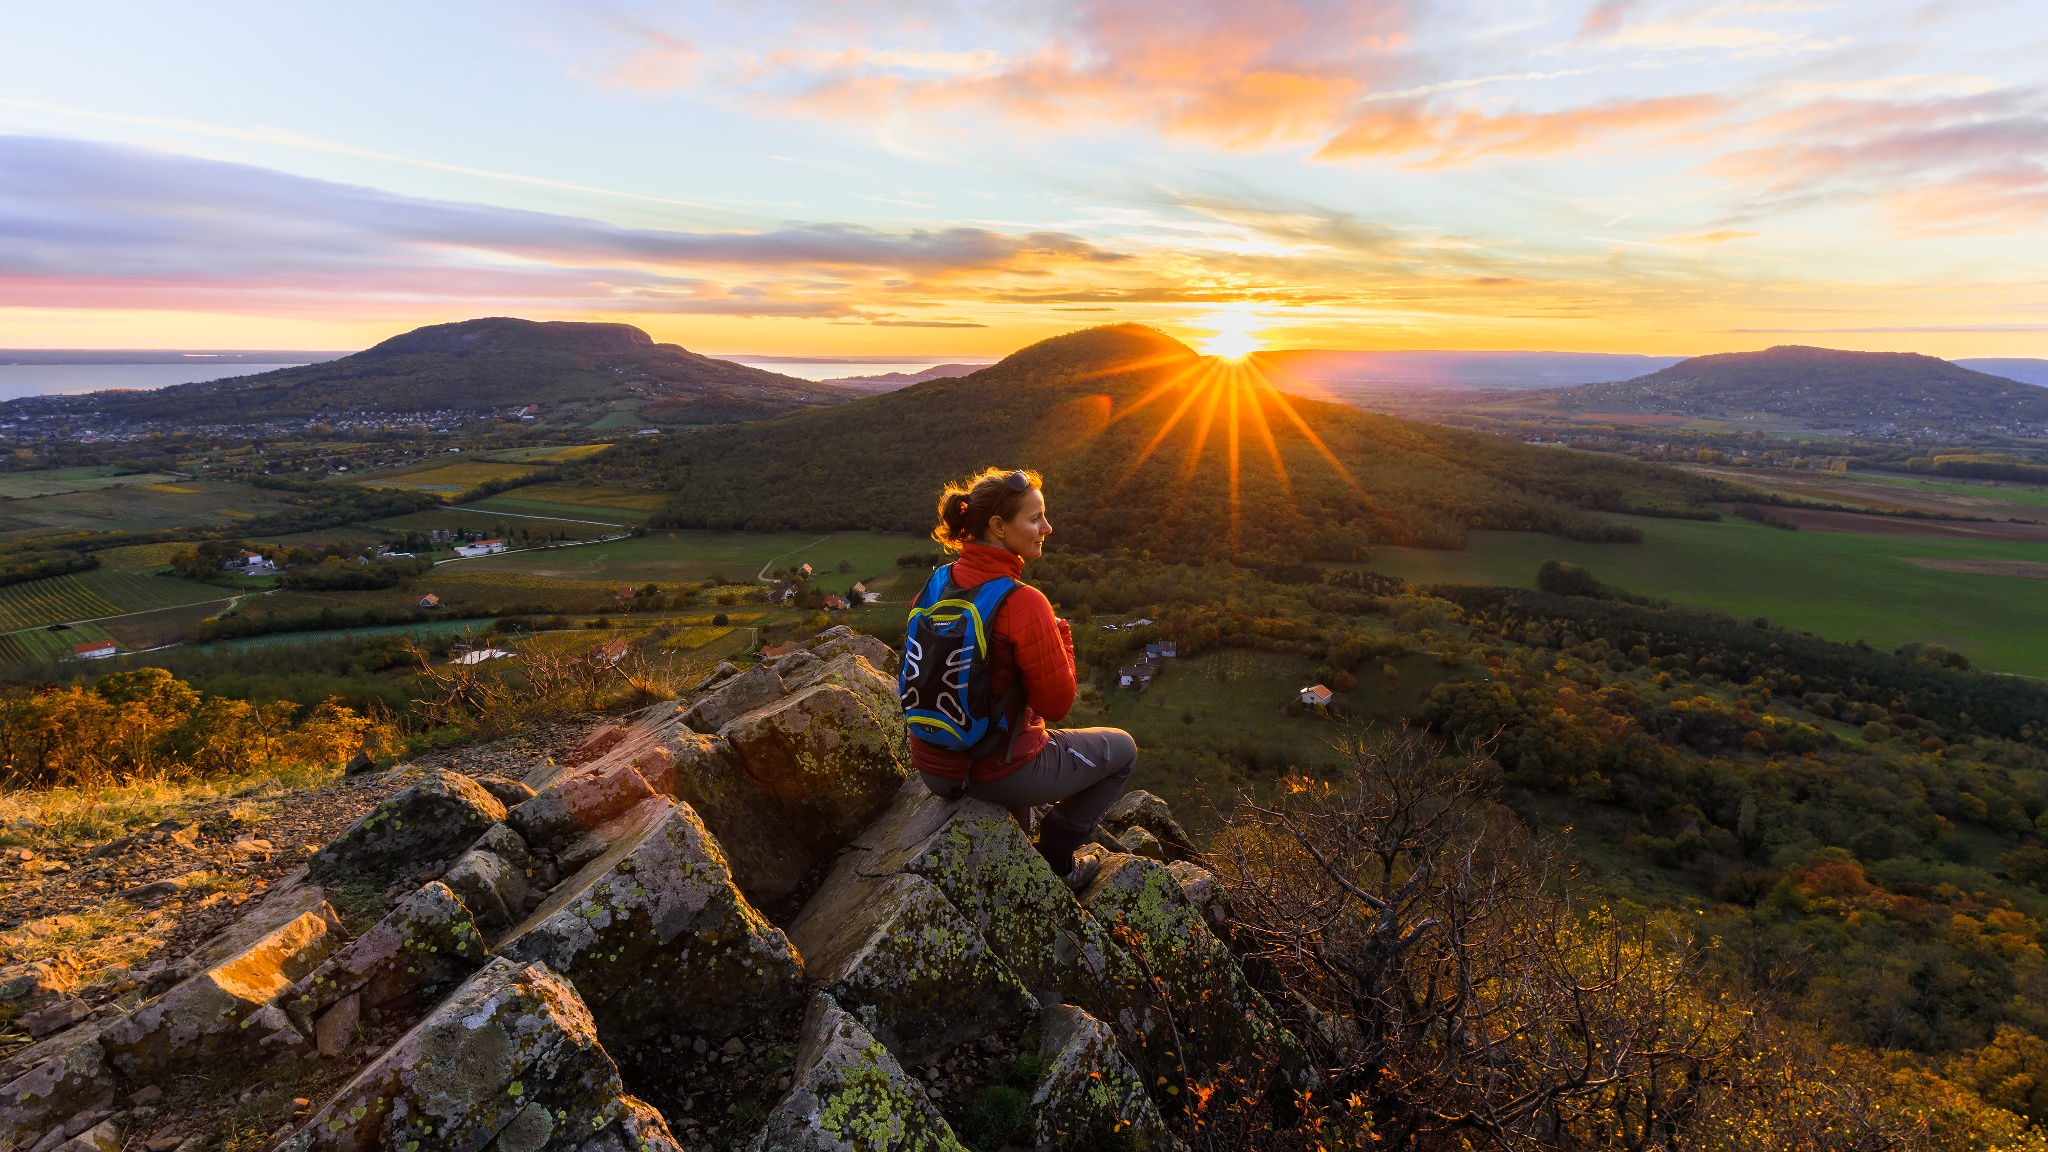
x: 428, y: 601
x: 1316, y: 696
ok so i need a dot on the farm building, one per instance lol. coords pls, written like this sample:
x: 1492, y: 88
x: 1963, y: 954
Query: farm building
x: 771, y: 651
x: 428, y: 601
x: 480, y: 548
x: 833, y: 603
x: 626, y: 593
x: 804, y: 571
x: 1136, y: 675
x: 1316, y: 696
x: 1167, y: 650
x: 479, y: 655
x: 249, y: 564
x: 95, y: 650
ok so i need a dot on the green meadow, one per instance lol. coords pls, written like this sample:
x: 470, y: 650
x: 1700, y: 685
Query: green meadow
x: 663, y: 556
x: 1838, y: 585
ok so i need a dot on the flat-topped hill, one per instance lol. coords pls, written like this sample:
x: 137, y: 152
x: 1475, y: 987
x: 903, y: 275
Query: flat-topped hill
x: 492, y: 363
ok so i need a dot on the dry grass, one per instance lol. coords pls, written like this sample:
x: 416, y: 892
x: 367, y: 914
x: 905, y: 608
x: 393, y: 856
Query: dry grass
x: 47, y: 818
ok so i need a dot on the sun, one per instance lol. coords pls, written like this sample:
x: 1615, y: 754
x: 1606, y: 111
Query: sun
x: 1237, y: 332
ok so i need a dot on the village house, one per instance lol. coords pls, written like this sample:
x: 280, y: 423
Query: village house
x: 480, y: 548
x: 1135, y: 675
x: 1165, y: 650
x: 772, y: 651
x: 428, y: 601
x: 95, y: 650
x: 1316, y: 696
x: 250, y: 564
x: 833, y: 603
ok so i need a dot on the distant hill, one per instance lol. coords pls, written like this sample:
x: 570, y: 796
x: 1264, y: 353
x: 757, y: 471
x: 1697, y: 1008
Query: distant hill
x: 1816, y: 387
x: 1343, y: 374
x: 890, y: 381
x: 1137, y: 436
x: 2020, y: 368
x: 494, y: 363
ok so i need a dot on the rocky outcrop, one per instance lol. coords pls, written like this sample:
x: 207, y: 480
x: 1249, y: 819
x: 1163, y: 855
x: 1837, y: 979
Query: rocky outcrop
x: 823, y: 757
x: 491, y: 879
x: 754, y: 688
x: 768, y: 859
x: 435, y: 818
x: 657, y: 937
x: 851, y: 1094
x: 1217, y: 1012
x: 618, y: 908
x: 896, y: 951
x: 397, y: 969
x: 1139, y: 810
x: 511, y: 1060
x: 1089, y: 1095
x: 226, y: 1011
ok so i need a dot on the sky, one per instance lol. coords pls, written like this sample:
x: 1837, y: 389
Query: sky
x: 953, y: 178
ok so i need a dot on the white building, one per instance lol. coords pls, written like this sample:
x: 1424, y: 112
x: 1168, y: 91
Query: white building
x: 480, y: 548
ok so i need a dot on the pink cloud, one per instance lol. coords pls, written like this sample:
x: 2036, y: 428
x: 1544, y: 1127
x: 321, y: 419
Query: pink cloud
x: 1451, y: 137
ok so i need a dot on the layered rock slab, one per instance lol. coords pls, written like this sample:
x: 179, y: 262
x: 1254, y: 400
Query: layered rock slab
x: 1219, y: 1016
x: 511, y: 1060
x: 435, y: 818
x: 657, y: 938
x: 824, y: 757
x: 769, y: 861
x: 226, y: 1011
x: 975, y: 854
x: 894, y: 950
x: 424, y: 946
x: 1089, y: 1095
x: 851, y: 1095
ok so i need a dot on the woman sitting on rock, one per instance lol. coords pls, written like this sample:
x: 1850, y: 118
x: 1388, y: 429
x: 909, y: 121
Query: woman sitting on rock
x: 1022, y: 661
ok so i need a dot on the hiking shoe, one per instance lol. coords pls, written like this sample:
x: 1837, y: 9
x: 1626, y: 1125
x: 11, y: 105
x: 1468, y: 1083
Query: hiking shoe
x: 1084, y: 870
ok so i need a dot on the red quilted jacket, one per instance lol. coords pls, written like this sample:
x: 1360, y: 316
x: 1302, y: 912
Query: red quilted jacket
x: 1029, y: 641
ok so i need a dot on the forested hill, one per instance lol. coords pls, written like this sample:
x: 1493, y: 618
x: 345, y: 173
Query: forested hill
x: 1820, y: 385
x: 1138, y: 436
x: 496, y: 362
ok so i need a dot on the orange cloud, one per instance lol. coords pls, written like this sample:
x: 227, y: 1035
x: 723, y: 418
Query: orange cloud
x: 1455, y: 137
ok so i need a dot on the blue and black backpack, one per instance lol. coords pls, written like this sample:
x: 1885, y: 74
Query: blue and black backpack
x: 944, y: 681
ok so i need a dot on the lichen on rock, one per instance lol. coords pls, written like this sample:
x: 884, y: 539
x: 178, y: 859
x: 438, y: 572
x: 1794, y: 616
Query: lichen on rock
x: 435, y: 818
x: 824, y: 757
x: 657, y: 938
x: 894, y: 950
x: 851, y: 1095
x: 1089, y: 1095
x: 421, y: 948
x: 513, y: 1055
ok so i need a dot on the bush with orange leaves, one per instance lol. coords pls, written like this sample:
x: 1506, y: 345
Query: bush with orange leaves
x: 1457, y: 998
x: 148, y: 724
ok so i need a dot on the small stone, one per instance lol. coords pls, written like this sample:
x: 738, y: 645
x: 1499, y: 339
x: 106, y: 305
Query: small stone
x: 337, y: 1027
x: 733, y: 1047
x: 54, y: 1018
x: 164, y: 1141
x: 149, y: 1094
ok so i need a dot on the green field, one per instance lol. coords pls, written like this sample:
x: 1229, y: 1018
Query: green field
x: 89, y: 595
x: 676, y: 556
x: 459, y: 476
x: 1841, y: 586
x: 91, y: 478
x: 43, y: 644
x: 139, y: 507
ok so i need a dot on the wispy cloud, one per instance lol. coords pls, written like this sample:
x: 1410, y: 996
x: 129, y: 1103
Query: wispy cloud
x: 92, y: 222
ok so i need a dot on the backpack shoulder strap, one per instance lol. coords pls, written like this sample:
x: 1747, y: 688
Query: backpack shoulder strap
x: 934, y: 588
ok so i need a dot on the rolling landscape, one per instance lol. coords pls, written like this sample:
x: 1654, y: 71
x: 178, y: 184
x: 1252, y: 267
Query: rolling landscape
x: 1557, y: 503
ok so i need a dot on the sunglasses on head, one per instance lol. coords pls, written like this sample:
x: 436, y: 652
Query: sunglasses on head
x: 1017, y: 481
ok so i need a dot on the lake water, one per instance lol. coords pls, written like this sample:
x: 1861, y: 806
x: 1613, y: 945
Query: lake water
x: 823, y: 369
x: 18, y: 380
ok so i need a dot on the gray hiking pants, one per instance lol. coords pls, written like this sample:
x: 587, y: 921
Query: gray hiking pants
x: 1080, y: 772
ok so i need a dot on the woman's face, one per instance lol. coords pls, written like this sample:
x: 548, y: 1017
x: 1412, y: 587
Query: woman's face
x: 1025, y: 532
